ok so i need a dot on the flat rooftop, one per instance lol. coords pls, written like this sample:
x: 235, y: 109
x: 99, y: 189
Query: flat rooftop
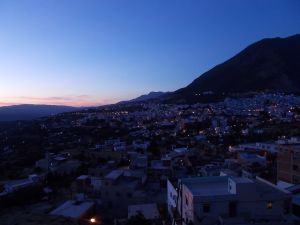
x: 251, y: 156
x: 218, y: 185
x: 114, y: 174
x: 241, y: 180
x: 19, y: 183
x: 207, y: 186
x: 72, y: 209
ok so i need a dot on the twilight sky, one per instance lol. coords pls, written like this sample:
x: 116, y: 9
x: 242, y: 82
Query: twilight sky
x: 93, y: 52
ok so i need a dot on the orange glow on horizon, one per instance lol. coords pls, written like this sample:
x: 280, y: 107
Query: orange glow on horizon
x: 76, y: 101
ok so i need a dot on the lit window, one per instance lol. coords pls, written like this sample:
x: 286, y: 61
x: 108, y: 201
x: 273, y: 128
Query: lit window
x: 269, y: 205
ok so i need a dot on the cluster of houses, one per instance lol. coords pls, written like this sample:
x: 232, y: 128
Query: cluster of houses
x: 172, y: 163
x: 225, y: 192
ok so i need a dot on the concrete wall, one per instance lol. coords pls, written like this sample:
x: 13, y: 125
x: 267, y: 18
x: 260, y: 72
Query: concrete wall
x: 171, y: 198
x: 251, y: 208
x: 187, y: 204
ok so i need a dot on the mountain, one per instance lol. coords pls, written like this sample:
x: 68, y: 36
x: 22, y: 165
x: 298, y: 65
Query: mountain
x: 28, y: 112
x: 271, y: 64
x: 150, y: 96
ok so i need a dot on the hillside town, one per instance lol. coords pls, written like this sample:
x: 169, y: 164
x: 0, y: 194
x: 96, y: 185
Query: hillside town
x: 231, y: 162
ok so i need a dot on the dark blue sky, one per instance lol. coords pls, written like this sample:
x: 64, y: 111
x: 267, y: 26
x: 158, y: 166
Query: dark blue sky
x: 93, y: 52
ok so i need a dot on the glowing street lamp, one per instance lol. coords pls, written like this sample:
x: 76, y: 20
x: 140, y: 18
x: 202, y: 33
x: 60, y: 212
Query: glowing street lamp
x: 93, y: 220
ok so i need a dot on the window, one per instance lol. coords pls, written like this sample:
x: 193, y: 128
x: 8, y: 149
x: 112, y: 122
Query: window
x: 186, y: 200
x: 174, y: 198
x: 269, y: 205
x: 295, y: 155
x: 186, y: 218
x: 295, y: 167
x: 286, y: 206
x: 206, y: 207
x: 295, y: 180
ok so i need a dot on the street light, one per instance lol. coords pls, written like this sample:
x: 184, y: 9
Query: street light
x: 93, y: 220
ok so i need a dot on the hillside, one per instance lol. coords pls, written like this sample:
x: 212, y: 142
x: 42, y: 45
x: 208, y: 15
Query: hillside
x: 267, y: 65
x: 28, y: 112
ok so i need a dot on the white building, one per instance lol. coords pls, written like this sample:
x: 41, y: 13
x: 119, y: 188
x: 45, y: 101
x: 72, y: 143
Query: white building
x: 227, y: 200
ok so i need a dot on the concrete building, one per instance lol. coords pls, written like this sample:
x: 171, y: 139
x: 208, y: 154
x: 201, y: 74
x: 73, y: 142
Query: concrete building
x: 172, y: 198
x: 58, y: 163
x: 139, y: 161
x: 15, y: 185
x: 249, y: 159
x: 271, y: 147
x: 75, y: 209
x: 119, y: 189
x: 227, y: 200
x: 288, y: 163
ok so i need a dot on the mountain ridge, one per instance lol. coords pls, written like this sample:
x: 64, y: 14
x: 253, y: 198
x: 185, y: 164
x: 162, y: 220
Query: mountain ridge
x: 145, y: 97
x: 271, y: 64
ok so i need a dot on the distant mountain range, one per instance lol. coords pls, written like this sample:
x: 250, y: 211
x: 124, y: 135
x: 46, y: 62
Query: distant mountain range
x: 28, y: 112
x: 268, y: 65
x: 271, y: 64
x: 146, y: 97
